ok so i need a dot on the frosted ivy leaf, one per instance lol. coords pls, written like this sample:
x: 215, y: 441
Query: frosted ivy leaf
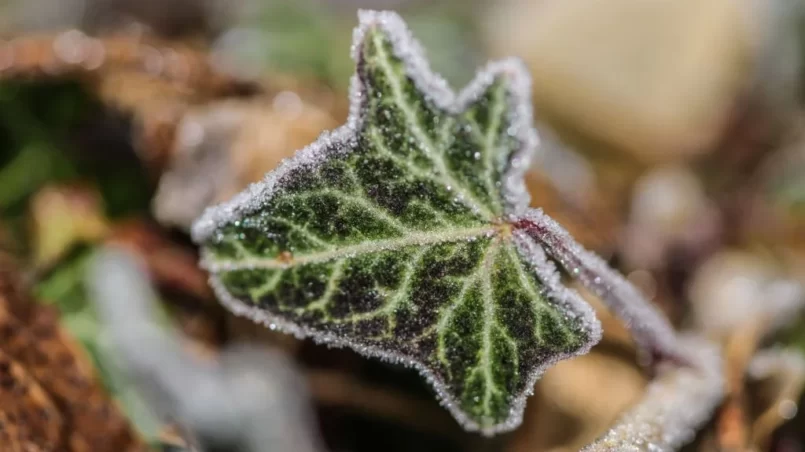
x: 396, y: 235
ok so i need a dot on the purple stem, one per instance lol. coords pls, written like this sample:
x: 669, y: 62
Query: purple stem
x: 650, y: 329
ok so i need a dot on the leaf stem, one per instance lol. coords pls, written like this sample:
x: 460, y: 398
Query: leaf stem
x: 675, y: 405
x: 651, y: 331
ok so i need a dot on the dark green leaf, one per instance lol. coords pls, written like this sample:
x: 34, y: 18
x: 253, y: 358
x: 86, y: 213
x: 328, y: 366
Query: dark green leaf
x: 393, y: 235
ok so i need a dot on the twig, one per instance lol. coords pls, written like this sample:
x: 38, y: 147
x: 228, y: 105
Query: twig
x: 74, y: 53
x: 732, y: 421
x: 788, y: 366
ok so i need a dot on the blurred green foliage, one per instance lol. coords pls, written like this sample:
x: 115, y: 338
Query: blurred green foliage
x: 65, y: 288
x: 57, y: 132
x: 48, y: 134
x: 308, y: 38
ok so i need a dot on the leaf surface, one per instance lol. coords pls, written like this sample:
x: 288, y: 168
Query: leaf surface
x: 392, y: 235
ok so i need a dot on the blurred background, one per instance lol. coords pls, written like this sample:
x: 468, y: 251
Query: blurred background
x: 674, y: 146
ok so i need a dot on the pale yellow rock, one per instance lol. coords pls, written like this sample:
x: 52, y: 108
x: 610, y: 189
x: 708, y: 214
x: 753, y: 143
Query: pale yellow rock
x: 576, y: 401
x: 61, y: 217
x: 654, y: 77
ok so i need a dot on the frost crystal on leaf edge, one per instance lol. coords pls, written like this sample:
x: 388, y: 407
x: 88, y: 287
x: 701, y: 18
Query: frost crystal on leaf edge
x: 343, y: 139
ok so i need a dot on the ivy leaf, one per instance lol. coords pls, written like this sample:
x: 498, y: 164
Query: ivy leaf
x: 397, y: 235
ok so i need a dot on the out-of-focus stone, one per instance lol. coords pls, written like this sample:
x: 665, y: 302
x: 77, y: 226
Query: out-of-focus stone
x: 735, y: 289
x: 655, y: 78
x: 669, y: 211
x: 576, y: 401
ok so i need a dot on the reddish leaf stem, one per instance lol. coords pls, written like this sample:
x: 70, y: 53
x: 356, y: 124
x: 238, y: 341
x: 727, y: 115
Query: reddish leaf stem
x: 651, y: 330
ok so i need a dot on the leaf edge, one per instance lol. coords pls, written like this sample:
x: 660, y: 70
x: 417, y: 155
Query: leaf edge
x: 343, y: 139
x: 541, y: 265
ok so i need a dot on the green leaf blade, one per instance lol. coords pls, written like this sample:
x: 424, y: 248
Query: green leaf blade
x: 390, y: 236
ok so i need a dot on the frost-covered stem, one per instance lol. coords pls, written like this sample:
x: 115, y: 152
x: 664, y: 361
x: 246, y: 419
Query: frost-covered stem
x: 676, y: 404
x: 650, y: 329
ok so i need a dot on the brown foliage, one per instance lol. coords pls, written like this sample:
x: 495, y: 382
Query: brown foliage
x: 51, y: 397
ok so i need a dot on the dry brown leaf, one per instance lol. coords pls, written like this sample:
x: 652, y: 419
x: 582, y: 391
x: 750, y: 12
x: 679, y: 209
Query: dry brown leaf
x: 335, y: 388
x: 154, y: 80
x: 781, y: 374
x: 594, y: 223
x: 59, y: 365
x: 222, y: 147
x: 174, y: 269
x: 29, y: 419
x: 170, y: 265
x: 732, y: 421
x: 31, y: 336
x: 74, y: 54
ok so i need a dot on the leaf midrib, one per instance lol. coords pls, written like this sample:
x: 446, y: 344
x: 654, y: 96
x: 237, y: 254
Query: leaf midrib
x: 417, y: 238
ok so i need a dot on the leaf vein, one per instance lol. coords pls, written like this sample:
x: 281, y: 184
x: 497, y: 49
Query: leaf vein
x: 416, y: 238
x: 427, y: 143
x: 304, y: 231
x: 358, y: 201
x: 489, y: 320
x: 332, y: 285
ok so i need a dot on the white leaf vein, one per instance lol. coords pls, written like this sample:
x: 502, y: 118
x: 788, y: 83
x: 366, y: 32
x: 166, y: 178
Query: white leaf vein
x: 411, y: 238
x: 424, y: 139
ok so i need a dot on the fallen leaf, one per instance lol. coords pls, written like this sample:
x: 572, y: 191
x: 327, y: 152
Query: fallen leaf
x: 31, y: 335
x: 222, y: 147
x: 29, y: 419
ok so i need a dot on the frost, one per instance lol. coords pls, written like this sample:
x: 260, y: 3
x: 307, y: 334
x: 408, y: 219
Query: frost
x: 406, y: 235
x: 649, y: 328
x: 676, y: 404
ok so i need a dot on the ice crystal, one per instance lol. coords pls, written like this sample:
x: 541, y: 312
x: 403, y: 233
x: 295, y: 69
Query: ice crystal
x: 650, y: 329
x: 405, y: 235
